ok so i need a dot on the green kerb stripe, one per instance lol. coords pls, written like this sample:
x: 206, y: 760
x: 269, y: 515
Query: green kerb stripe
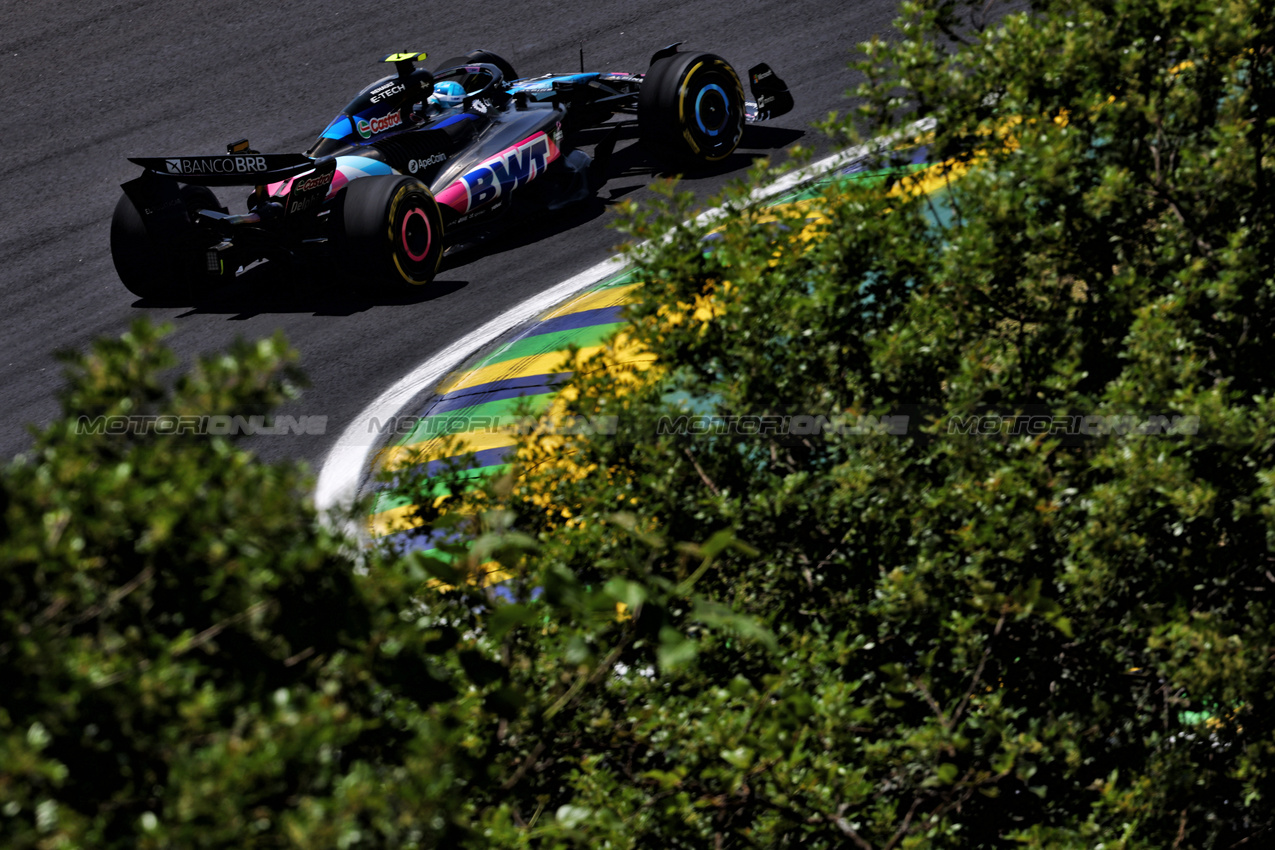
x: 433, y: 489
x: 460, y: 420
x: 550, y: 342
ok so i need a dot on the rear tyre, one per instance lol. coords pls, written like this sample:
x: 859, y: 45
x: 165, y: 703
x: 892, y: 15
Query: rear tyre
x: 690, y: 110
x: 486, y: 57
x: 392, y: 231
x: 149, y: 267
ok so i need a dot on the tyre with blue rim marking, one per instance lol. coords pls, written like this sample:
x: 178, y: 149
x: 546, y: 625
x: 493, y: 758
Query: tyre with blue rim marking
x: 690, y: 110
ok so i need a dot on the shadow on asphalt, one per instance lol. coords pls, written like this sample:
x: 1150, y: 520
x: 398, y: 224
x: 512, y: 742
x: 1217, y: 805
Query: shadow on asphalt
x: 262, y: 290
x: 632, y: 160
x: 309, y: 288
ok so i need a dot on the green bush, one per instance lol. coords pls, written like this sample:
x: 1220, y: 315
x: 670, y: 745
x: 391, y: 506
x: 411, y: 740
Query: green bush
x: 190, y: 659
x: 943, y: 637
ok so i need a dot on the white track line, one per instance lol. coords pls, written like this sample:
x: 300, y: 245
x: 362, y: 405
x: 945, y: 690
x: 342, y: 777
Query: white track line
x: 347, y: 461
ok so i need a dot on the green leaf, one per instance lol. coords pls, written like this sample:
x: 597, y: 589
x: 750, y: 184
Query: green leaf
x: 508, y: 616
x: 675, y: 650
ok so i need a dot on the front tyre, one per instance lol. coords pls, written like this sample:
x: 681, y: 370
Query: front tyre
x: 691, y: 110
x: 392, y: 231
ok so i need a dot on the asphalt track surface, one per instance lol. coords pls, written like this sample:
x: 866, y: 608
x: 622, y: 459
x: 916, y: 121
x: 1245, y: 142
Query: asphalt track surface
x: 87, y: 84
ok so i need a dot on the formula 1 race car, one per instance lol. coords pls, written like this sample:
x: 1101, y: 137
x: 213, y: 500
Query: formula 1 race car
x: 421, y: 158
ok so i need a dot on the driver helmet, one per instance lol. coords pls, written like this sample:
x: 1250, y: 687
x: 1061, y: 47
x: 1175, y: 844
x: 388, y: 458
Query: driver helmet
x: 448, y: 94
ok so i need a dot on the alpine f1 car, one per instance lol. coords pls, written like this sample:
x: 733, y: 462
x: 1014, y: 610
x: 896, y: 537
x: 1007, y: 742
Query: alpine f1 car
x: 418, y: 160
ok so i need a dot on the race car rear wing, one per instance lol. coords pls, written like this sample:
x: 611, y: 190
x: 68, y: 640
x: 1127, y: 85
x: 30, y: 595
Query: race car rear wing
x: 231, y: 169
x: 160, y: 198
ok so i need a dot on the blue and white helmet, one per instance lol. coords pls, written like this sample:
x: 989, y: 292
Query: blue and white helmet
x: 448, y: 94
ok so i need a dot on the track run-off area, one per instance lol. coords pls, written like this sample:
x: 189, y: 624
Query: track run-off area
x: 465, y: 406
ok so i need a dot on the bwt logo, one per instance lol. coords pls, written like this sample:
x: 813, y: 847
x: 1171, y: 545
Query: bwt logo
x: 507, y: 171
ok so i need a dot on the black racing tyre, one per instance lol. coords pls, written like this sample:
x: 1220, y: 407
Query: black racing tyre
x: 487, y: 57
x: 149, y: 267
x: 392, y: 231
x: 690, y: 110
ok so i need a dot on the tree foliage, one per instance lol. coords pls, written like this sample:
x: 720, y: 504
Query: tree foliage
x: 942, y: 637
x: 945, y: 638
x: 189, y: 659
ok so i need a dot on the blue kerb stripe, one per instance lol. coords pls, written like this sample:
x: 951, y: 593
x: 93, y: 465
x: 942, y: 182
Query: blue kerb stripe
x: 415, y: 540
x: 497, y: 391
x: 474, y: 460
x: 469, y: 471
x: 578, y: 321
x: 921, y: 156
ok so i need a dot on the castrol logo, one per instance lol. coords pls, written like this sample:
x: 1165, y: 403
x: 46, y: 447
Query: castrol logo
x: 368, y: 128
x: 312, y: 183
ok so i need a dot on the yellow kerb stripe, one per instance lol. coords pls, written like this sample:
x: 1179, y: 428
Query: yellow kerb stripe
x: 395, y: 519
x: 612, y: 297
x: 519, y: 367
x: 437, y: 448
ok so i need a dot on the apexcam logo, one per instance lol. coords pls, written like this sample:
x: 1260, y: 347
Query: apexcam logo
x: 507, y: 171
x: 416, y: 165
x: 216, y: 165
x: 369, y: 128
